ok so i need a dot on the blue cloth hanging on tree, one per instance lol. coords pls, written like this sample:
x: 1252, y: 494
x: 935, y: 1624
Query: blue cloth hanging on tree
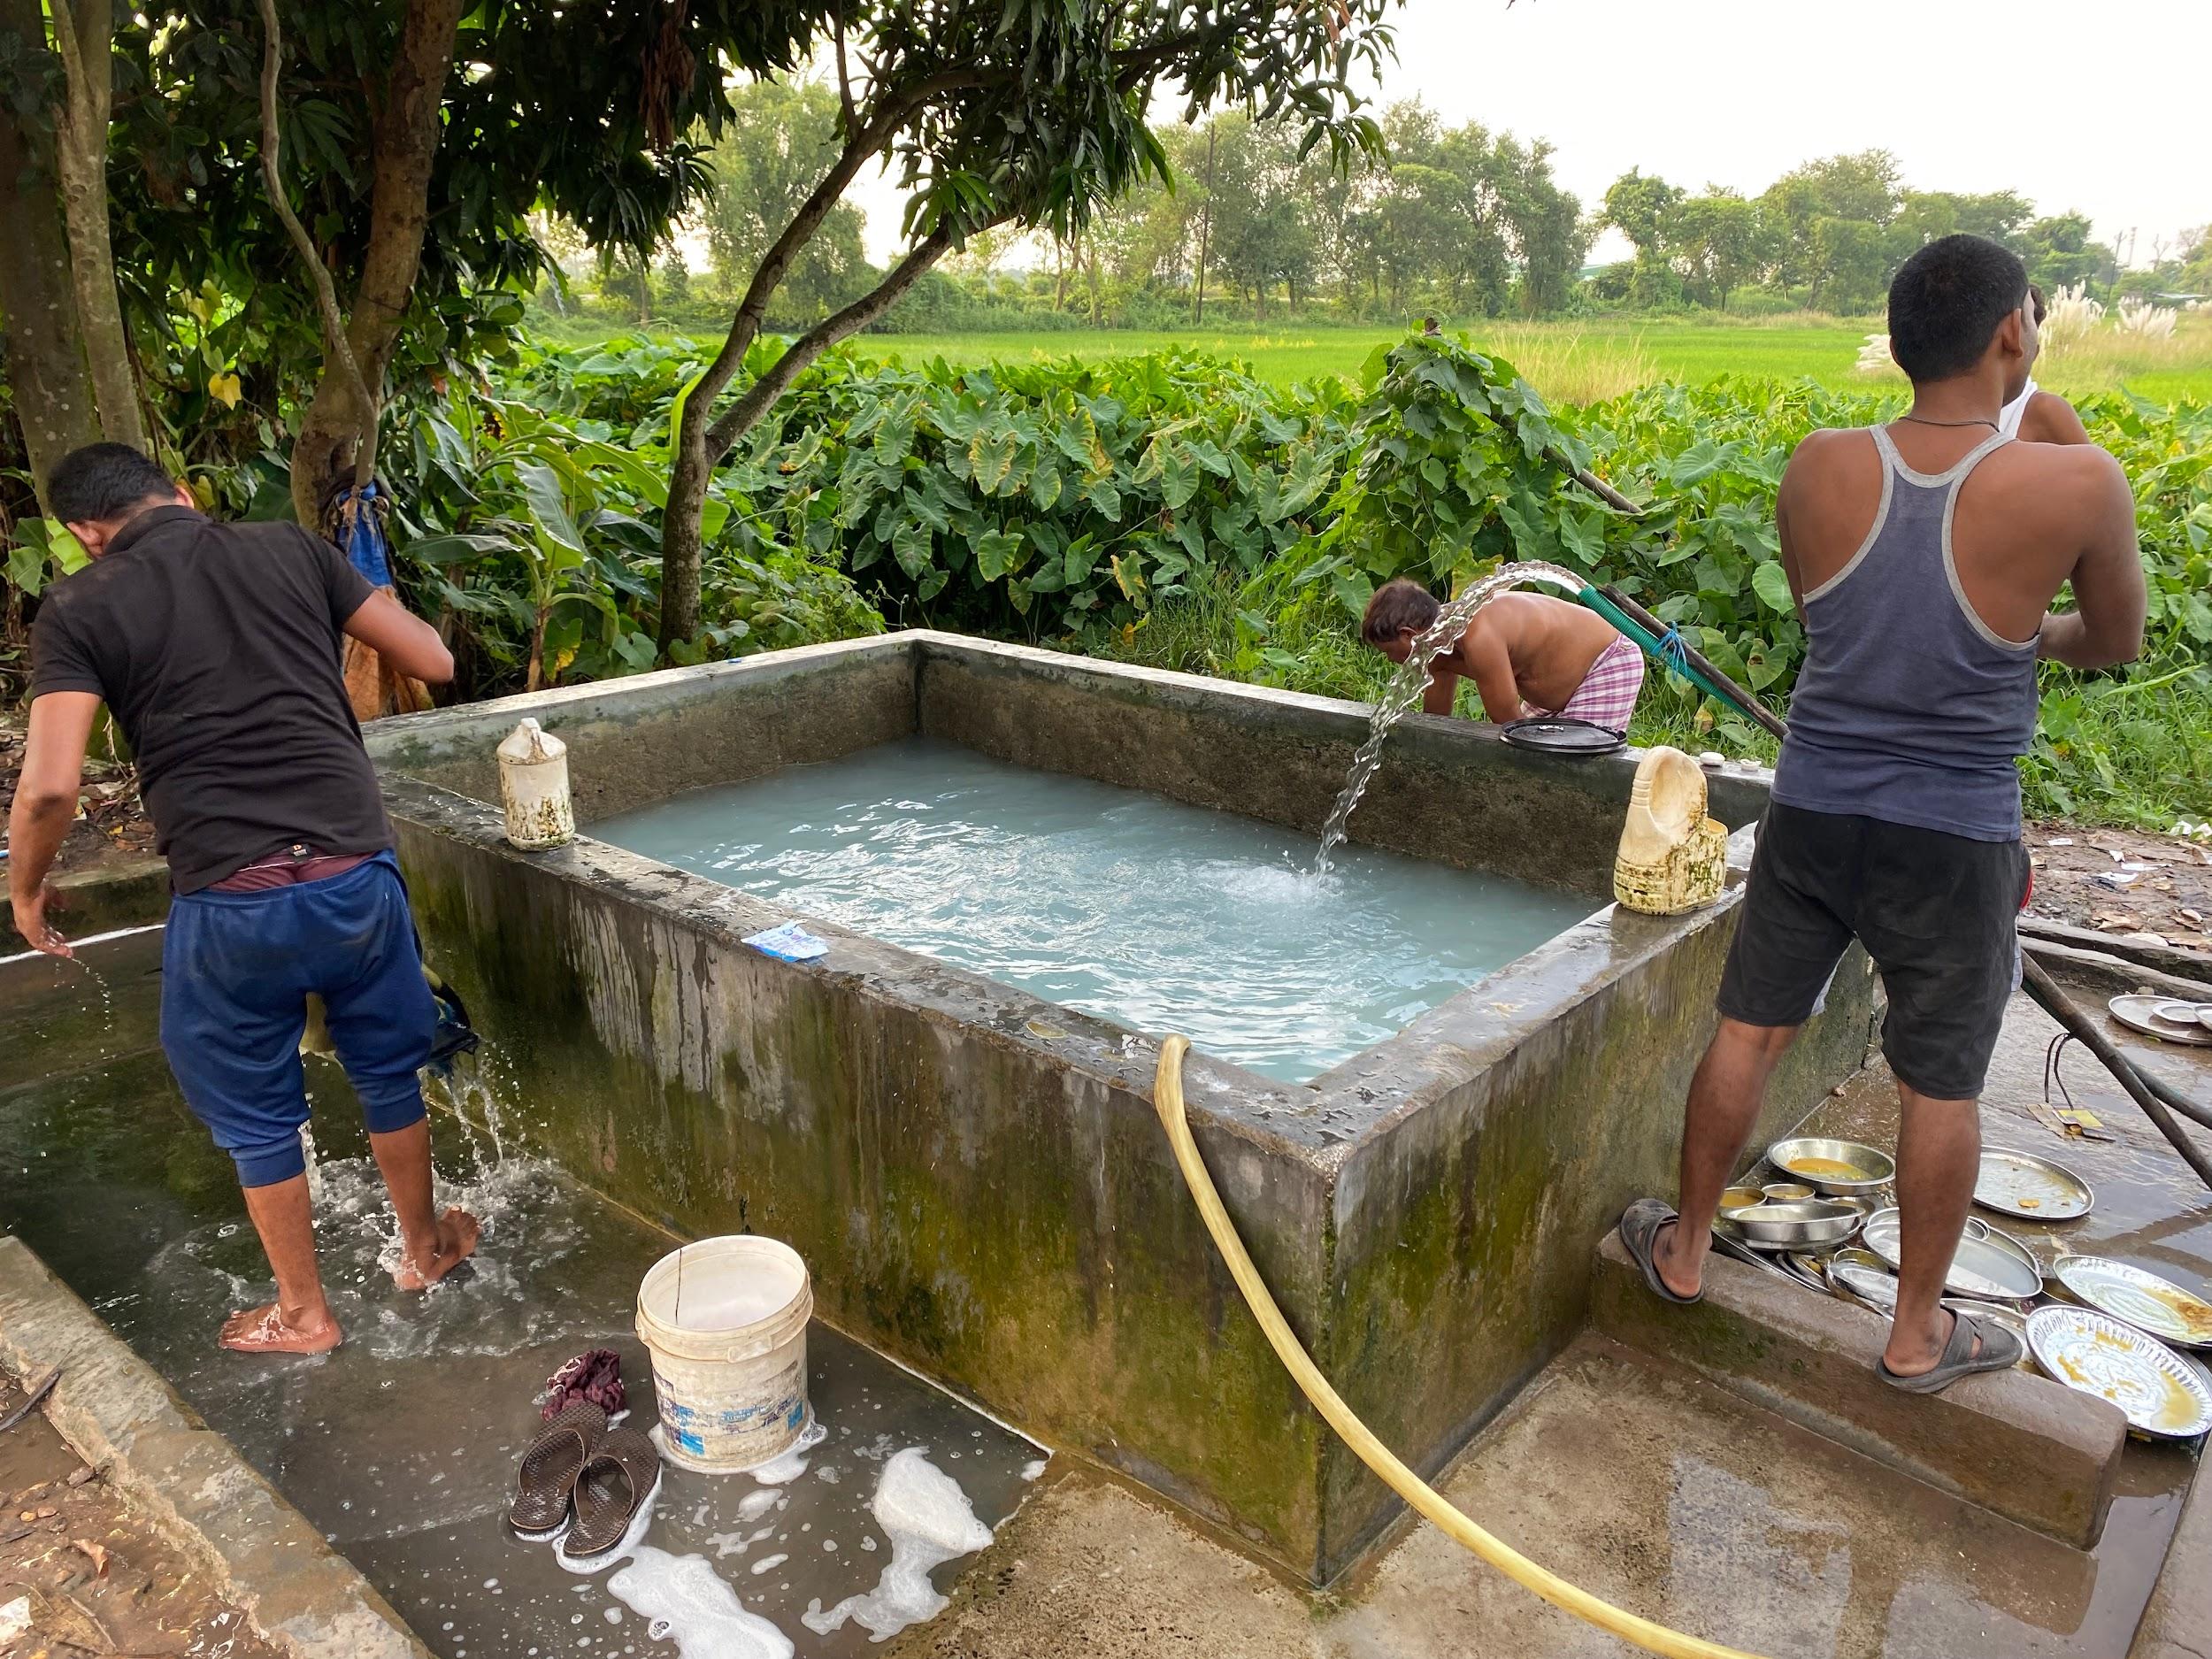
x: 359, y: 514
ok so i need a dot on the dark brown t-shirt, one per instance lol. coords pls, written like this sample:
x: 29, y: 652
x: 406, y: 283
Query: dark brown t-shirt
x: 218, y: 648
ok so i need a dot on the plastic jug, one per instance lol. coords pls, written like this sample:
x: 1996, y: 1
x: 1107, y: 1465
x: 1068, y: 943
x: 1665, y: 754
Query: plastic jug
x: 534, y: 788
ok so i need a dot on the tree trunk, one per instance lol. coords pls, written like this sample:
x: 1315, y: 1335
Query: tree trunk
x: 704, y: 440
x: 406, y: 144
x: 84, y: 35
x: 683, y: 543
x: 45, y: 364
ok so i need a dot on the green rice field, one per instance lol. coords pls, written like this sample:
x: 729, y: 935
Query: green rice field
x: 1570, y: 361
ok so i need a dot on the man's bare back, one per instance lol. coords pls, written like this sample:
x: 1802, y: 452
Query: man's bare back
x: 1522, y: 649
x: 2030, y: 519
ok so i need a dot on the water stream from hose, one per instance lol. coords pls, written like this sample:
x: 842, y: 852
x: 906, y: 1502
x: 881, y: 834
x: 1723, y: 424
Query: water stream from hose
x: 1402, y: 695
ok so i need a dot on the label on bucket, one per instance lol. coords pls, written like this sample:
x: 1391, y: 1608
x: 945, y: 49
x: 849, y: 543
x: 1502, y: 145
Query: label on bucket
x: 732, y: 1432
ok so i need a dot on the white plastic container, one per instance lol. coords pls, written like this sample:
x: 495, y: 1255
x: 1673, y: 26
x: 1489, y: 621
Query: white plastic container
x: 725, y: 1321
x: 534, y: 788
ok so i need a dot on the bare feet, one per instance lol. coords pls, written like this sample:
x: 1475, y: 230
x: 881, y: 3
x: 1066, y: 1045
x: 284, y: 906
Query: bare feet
x: 1682, y: 1281
x: 456, y: 1242
x: 267, y: 1331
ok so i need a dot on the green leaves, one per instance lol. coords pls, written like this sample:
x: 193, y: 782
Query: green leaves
x: 1771, y: 583
x: 997, y: 555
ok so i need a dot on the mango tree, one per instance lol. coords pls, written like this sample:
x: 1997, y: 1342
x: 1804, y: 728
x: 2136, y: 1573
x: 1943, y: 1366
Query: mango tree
x: 996, y: 112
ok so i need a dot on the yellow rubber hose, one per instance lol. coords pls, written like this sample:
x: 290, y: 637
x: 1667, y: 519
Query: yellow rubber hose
x: 1168, y: 1099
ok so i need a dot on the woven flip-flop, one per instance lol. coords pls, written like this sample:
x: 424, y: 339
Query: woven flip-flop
x: 2000, y: 1351
x: 613, y: 1495
x: 1639, y: 1236
x: 547, y: 1475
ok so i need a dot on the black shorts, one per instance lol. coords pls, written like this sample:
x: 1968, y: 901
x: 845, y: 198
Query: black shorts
x: 1935, y: 912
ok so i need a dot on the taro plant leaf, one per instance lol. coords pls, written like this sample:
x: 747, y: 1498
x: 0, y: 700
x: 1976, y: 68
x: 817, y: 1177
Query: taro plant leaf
x: 910, y: 545
x: 996, y: 554
x: 1771, y: 583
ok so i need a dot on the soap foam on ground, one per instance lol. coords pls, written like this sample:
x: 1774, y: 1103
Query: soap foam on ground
x: 929, y: 1522
x: 788, y: 1465
x: 684, y: 1600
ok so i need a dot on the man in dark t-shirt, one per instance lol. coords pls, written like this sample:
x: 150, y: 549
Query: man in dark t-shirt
x: 217, y: 647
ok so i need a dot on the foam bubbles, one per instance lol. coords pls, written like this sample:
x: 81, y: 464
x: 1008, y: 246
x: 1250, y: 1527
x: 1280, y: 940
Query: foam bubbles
x: 684, y: 1600
x: 929, y: 1521
x: 781, y: 1470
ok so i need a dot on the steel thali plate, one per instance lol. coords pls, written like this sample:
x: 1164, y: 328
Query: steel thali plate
x: 2135, y: 1297
x: 2035, y: 1189
x: 2161, y: 1393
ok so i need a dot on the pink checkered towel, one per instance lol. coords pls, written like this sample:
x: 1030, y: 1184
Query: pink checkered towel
x: 1608, y: 694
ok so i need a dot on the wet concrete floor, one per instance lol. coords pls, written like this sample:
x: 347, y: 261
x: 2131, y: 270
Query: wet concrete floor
x: 400, y: 1446
x: 1664, y: 1494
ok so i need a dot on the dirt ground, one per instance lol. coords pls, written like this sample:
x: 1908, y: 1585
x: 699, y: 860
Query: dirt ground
x: 2120, y: 882
x: 81, y: 1573
x: 114, y: 826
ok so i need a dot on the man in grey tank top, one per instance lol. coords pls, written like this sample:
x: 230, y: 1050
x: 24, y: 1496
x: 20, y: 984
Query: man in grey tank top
x: 1925, y: 556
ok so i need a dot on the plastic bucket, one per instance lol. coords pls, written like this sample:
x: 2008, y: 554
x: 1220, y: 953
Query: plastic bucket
x: 725, y: 1321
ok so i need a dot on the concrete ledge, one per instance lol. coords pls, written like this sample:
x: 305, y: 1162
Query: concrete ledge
x: 126, y: 893
x: 2177, y: 1624
x: 2018, y: 1444
x: 306, y: 1598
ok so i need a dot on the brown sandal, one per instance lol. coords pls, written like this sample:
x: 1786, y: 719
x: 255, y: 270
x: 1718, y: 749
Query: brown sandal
x: 613, y: 1494
x: 550, y: 1464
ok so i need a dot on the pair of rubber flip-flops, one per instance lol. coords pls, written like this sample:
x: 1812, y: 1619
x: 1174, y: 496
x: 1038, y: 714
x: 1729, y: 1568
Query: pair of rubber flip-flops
x: 583, y: 1483
x: 1999, y: 1349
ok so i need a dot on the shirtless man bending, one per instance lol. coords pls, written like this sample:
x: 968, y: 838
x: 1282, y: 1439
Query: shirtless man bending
x: 1923, y: 555
x: 1528, y: 654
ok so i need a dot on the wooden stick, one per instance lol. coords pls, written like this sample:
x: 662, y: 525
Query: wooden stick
x: 1697, y: 659
x: 2053, y: 1001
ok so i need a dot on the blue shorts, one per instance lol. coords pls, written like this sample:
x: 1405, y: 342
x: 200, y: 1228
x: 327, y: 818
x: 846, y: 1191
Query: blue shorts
x: 236, y: 971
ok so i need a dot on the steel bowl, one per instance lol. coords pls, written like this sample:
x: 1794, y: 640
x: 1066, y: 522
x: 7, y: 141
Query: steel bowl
x: 1800, y: 1226
x: 1788, y: 1193
x: 1740, y: 1198
x: 1834, y: 1167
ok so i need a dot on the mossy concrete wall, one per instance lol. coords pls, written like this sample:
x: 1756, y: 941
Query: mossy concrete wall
x: 977, y: 1179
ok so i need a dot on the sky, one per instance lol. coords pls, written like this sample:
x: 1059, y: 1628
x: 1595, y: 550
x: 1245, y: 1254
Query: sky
x: 2105, y: 109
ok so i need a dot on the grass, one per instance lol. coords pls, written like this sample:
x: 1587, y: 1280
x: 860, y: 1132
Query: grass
x: 1569, y: 361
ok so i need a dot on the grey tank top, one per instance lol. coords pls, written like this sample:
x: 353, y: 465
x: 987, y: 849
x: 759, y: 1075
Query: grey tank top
x: 1909, y: 707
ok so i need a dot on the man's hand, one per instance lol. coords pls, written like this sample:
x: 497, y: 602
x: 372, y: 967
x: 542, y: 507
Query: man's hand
x: 30, y: 921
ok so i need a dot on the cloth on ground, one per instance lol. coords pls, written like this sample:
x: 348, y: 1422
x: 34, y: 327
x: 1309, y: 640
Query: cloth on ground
x: 594, y: 1376
x: 237, y: 970
x: 1608, y: 694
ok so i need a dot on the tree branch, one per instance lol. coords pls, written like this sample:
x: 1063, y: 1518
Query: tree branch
x: 333, y: 320
x: 844, y: 77
x: 768, y: 276
x: 757, y: 398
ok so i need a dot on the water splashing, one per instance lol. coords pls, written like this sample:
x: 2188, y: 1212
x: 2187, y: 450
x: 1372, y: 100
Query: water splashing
x: 1402, y: 695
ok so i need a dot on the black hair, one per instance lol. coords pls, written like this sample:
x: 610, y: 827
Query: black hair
x: 1945, y: 302
x: 1398, y: 604
x: 103, y: 481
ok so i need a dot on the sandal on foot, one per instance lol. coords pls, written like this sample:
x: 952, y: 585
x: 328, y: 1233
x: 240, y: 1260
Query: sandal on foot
x: 614, y: 1495
x: 2000, y: 1351
x: 550, y: 1464
x: 1639, y: 1236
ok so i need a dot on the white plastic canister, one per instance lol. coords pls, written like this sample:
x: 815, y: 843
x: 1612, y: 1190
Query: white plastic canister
x: 725, y: 1321
x: 533, y: 788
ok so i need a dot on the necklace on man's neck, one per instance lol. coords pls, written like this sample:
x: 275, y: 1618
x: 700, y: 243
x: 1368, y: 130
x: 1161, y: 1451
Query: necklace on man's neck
x: 1921, y: 420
